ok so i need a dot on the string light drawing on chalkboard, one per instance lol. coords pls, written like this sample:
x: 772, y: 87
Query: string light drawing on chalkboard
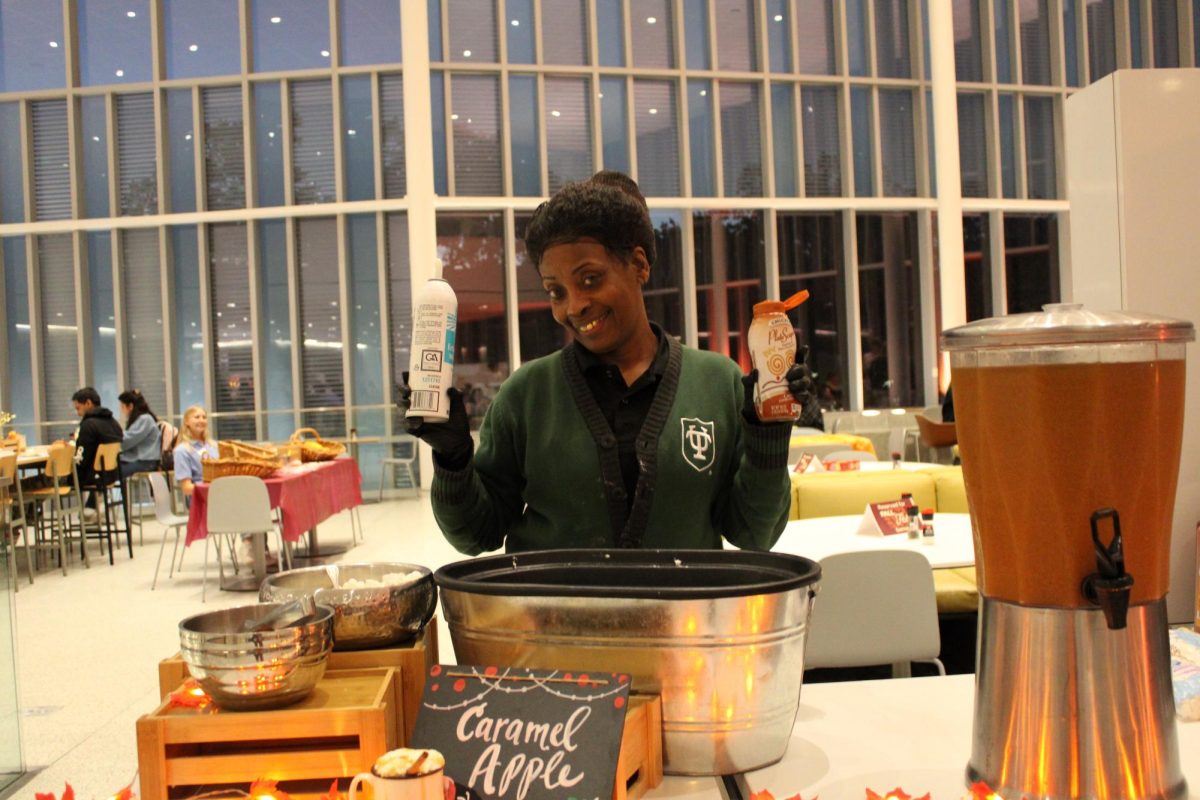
x: 512, y: 681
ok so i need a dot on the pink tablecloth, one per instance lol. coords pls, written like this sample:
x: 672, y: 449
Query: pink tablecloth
x: 307, y: 495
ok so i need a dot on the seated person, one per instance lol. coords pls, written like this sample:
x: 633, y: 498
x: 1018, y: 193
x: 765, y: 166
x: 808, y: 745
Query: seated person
x: 97, y: 427
x: 141, y: 449
x: 195, y: 443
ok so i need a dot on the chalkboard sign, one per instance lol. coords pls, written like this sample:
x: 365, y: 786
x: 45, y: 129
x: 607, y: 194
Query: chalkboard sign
x: 521, y: 734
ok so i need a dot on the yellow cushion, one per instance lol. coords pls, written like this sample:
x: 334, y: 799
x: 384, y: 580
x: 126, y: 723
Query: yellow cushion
x: 951, y: 491
x: 831, y: 494
x: 957, y: 591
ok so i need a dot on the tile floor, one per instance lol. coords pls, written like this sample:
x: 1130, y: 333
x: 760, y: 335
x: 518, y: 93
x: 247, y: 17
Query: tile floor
x: 88, y: 644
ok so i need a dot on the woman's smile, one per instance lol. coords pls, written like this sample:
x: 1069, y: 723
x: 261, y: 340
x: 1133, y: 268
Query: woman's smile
x: 591, y: 327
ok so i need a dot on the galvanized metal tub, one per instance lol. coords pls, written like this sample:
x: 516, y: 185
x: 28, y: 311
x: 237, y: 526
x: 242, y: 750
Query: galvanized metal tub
x: 719, y: 634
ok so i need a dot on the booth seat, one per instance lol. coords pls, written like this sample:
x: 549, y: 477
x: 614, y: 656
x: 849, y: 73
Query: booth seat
x: 831, y: 494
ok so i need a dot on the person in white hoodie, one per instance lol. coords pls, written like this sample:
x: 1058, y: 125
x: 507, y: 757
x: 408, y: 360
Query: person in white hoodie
x: 141, y: 447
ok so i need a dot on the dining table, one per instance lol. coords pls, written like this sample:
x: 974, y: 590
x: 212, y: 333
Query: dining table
x: 952, y: 546
x: 305, y: 494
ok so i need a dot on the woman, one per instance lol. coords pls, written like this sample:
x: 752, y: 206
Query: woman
x: 624, y: 438
x: 141, y: 446
x: 194, y: 444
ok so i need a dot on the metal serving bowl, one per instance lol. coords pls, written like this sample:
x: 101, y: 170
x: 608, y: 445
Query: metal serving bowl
x: 718, y: 634
x: 367, y: 617
x: 251, y: 671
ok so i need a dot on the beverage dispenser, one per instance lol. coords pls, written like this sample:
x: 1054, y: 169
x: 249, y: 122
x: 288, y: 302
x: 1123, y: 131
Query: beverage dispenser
x: 1069, y: 428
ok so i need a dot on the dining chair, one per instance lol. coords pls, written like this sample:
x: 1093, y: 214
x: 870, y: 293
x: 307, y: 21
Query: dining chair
x: 64, y: 484
x: 875, y: 607
x: 237, y: 504
x: 935, y: 435
x: 399, y: 461
x: 107, y: 471
x: 13, y: 511
x: 165, y: 515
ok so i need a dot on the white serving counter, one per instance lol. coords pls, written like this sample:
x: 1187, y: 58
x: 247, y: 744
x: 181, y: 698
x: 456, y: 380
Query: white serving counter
x: 914, y: 733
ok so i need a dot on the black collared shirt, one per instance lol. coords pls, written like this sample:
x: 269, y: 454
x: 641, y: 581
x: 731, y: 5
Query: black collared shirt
x: 625, y: 407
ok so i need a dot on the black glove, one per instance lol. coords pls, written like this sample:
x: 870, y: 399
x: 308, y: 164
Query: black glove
x: 451, y: 440
x: 800, y: 380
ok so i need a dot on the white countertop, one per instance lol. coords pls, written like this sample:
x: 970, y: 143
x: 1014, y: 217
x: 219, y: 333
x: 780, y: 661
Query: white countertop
x: 912, y: 733
x: 816, y: 538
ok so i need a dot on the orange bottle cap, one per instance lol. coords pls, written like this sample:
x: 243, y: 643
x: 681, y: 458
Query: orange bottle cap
x: 780, y: 306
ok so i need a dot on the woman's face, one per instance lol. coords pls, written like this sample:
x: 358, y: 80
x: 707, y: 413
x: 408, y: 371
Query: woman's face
x: 126, y: 409
x: 594, y: 294
x: 197, y: 424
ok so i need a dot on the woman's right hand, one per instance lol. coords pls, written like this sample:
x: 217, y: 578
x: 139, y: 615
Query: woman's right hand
x: 451, y: 440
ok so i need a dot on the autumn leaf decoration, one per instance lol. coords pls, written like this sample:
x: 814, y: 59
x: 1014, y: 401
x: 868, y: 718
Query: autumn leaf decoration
x: 68, y: 794
x: 189, y: 695
x: 263, y: 789
x: 894, y: 794
x: 766, y: 795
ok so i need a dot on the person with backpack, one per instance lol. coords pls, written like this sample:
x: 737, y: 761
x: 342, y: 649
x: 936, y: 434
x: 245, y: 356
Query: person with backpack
x: 141, y: 447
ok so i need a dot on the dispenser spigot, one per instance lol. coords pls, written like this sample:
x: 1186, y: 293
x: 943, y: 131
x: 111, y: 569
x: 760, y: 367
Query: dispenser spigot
x: 1110, y: 585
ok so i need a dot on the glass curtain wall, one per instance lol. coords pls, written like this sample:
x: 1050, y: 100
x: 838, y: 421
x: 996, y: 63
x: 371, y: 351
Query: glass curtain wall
x: 262, y: 120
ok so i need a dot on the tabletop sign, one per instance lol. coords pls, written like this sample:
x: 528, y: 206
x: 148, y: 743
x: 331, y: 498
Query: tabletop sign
x: 808, y: 463
x: 521, y: 734
x: 885, y: 519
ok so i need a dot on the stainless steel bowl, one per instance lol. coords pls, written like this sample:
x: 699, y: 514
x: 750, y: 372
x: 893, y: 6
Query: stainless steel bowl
x: 252, y: 671
x: 719, y: 634
x: 366, y: 617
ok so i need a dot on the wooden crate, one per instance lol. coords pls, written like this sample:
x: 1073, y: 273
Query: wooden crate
x: 639, y: 766
x: 337, y: 731
x: 411, y: 662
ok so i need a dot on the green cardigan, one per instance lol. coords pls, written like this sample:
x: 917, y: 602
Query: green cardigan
x: 546, y: 473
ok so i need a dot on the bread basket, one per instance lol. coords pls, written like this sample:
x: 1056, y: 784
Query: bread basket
x: 316, y: 448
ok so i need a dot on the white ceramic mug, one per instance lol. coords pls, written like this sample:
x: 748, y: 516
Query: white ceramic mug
x: 418, y: 787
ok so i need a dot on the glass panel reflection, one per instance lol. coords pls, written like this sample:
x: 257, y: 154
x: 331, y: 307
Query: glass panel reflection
x: 16, y: 321
x: 1035, y: 42
x: 1102, y: 38
x: 224, y: 164
x: 653, y: 28
x: 968, y: 44
x: 142, y: 315
x: 32, y: 52
x: 321, y: 361
x: 268, y: 143
x: 814, y: 36
x: 475, y: 117
x: 741, y: 140
x: 472, y: 25
x: 523, y: 126
x: 365, y: 325
x: 233, y: 367
x: 519, y: 29
x: 289, y: 34
x: 783, y: 125
x: 972, y: 144
x: 114, y: 41
x: 890, y: 310
x: 700, y: 139
x: 614, y: 124
x: 12, y: 186
x: 370, y: 32
x: 822, y: 141
x: 93, y: 112
x: 1030, y: 261
x: 610, y: 32
x: 695, y: 33
x: 737, y: 46
x: 657, y: 137
x: 275, y: 322
x: 104, y: 326
x: 189, y: 341
x: 778, y: 46
x: 730, y: 279
x: 864, y: 152
x: 977, y: 263
x: 568, y: 131
x: 1039, y: 147
x: 201, y: 39
x: 137, y: 160
x: 897, y: 143
x: 59, y: 332
x: 391, y: 127
x: 181, y: 150
x: 312, y: 141
x: 564, y: 32
x: 811, y: 257
x: 471, y: 245
x: 891, y: 39
x: 358, y: 138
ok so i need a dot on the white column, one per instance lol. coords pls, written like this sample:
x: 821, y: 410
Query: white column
x: 418, y: 143
x: 949, y: 188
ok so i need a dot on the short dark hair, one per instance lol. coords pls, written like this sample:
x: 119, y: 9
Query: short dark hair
x: 85, y: 395
x: 608, y: 207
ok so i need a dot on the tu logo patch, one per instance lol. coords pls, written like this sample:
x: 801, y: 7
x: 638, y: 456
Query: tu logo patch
x: 699, y: 442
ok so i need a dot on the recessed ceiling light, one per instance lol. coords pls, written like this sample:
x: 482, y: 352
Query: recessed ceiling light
x: 95, y: 138
x: 54, y: 44
x: 187, y: 137
x: 466, y: 53
x: 654, y: 111
x: 556, y: 113
x: 651, y: 20
x: 352, y: 132
x: 276, y: 20
x: 454, y: 116
x: 120, y: 73
x: 193, y: 47
x: 704, y: 92
x: 270, y: 134
x: 324, y: 54
x: 131, y: 14
x: 779, y: 17
x: 516, y: 23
